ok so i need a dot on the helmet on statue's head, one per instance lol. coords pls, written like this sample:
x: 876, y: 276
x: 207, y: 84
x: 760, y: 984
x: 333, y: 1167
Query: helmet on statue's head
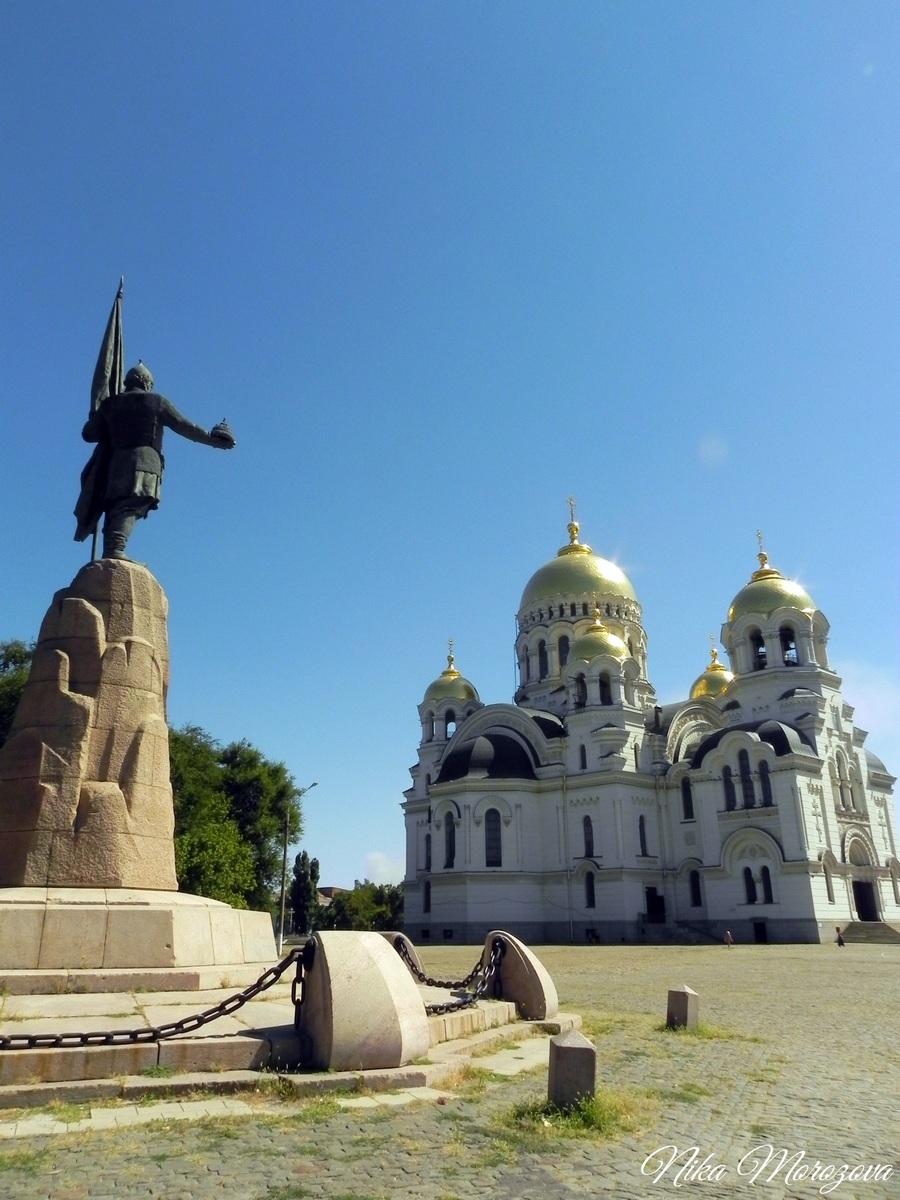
x: 139, y: 379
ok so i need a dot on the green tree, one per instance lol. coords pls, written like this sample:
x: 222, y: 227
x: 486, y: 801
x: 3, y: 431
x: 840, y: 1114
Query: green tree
x: 231, y: 809
x: 15, y: 663
x: 264, y: 801
x: 368, y: 906
x: 304, y: 899
x: 211, y: 857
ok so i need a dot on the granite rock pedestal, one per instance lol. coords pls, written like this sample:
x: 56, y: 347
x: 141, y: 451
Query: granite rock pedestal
x: 87, y: 853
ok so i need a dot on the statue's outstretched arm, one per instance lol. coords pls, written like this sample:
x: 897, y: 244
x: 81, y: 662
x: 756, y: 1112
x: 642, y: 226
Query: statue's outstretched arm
x: 220, y: 436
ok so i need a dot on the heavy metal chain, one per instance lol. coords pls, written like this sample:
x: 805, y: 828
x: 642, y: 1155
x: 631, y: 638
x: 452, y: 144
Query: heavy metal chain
x: 498, y: 949
x: 403, y: 950
x: 123, y: 1037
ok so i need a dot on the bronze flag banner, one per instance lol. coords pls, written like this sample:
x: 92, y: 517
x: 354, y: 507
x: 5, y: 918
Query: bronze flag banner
x: 108, y: 381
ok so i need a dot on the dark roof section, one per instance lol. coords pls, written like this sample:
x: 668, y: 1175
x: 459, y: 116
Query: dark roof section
x: 784, y: 739
x: 874, y: 763
x: 550, y: 725
x: 666, y: 712
x: 491, y: 756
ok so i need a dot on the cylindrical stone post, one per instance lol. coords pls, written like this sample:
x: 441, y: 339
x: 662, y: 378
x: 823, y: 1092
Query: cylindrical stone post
x: 573, y: 1069
x: 683, y: 1011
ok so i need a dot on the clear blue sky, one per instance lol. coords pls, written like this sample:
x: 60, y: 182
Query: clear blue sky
x: 441, y: 265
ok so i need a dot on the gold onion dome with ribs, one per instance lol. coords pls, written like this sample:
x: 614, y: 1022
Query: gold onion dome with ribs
x: 598, y: 640
x: 576, y: 571
x: 450, y: 685
x: 714, y: 680
x: 767, y: 591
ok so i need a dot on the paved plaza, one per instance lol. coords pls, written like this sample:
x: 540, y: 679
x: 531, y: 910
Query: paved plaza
x: 801, y: 1053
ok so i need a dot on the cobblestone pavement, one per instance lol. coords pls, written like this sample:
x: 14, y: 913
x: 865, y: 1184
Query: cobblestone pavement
x: 806, y: 1059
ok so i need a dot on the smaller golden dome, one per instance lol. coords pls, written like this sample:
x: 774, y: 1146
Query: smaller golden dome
x: 768, y: 591
x: 598, y: 640
x: 715, y: 679
x: 450, y: 685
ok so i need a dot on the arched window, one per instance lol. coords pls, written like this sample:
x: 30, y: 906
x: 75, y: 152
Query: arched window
x: 563, y: 651
x: 572, y: 610
x: 426, y: 896
x: 427, y: 851
x: 765, y: 785
x: 527, y: 668
x: 844, y: 783
x: 493, y: 850
x: 588, y: 837
x: 590, y: 896
x: 582, y: 758
x: 696, y: 897
x: 728, y: 788
x: 767, y: 885
x: 449, y: 841
x: 642, y: 836
x: 758, y: 656
x: 687, y: 800
x: 608, y: 611
x: 605, y: 689
x: 747, y: 793
x: 749, y: 886
x: 451, y: 722
x: 788, y: 646
x: 542, y: 660
x: 584, y: 610
x: 580, y: 692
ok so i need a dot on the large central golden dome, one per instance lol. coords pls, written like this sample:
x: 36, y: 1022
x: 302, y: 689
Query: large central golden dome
x: 576, y: 571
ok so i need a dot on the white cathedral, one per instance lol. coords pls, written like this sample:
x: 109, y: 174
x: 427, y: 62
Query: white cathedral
x: 584, y: 811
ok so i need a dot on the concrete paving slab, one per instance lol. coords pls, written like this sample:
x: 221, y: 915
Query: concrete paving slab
x: 49, y: 1008
x: 84, y: 1024
x: 532, y: 1053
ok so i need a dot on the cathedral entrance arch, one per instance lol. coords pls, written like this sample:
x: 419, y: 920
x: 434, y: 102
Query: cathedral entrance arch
x: 865, y: 898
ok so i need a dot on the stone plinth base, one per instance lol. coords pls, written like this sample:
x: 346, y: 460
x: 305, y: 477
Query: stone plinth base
x: 100, y: 939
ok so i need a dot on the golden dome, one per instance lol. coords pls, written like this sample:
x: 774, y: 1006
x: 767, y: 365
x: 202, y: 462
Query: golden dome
x: 450, y: 685
x: 768, y: 591
x: 576, y: 571
x: 598, y: 640
x: 715, y: 679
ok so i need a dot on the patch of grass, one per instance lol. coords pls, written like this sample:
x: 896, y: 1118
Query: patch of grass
x: 708, y: 1033
x: 763, y: 1131
x: 486, y: 1048
x: 158, y: 1072
x: 68, y: 1111
x: 22, y: 1160
x: 214, y: 1129
x: 607, y: 1113
x: 320, y: 1108
x: 597, y: 1025
x: 286, y: 1191
x: 500, y: 1151
x: 276, y: 1086
x: 474, y: 1081
x: 686, y: 1093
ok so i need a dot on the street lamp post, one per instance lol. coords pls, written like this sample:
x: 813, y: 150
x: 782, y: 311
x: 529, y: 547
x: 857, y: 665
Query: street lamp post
x: 287, y: 834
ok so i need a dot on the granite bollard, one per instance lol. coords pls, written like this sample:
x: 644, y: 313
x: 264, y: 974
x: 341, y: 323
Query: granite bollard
x: 683, y: 1009
x: 573, y: 1069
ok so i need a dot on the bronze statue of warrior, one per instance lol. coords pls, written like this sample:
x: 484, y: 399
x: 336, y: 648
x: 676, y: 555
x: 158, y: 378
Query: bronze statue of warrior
x: 124, y: 475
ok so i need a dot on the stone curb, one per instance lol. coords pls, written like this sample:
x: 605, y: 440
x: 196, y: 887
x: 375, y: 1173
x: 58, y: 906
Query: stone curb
x: 444, y: 1061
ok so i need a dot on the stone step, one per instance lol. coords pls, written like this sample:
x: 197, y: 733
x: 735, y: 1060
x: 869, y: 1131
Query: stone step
x: 873, y: 933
